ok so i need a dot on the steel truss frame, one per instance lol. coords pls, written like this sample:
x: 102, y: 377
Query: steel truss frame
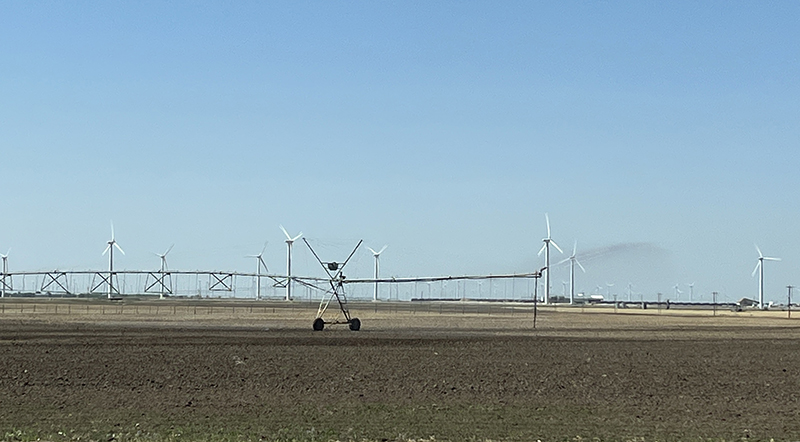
x: 336, y: 281
x: 225, y: 281
x: 220, y: 282
x: 162, y: 281
x: 6, y: 283
x: 56, y: 278
x: 105, y: 278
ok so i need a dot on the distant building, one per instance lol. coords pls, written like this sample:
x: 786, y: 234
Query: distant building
x: 583, y: 298
x: 747, y: 302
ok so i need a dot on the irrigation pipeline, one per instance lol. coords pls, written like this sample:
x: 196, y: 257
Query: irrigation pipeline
x: 444, y: 278
x: 273, y: 276
x: 157, y: 281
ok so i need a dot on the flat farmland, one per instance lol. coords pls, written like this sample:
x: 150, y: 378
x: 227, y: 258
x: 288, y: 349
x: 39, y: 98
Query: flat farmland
x: 235, y: 370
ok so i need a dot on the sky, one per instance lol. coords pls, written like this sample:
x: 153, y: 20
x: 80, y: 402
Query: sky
x: 661, y: 136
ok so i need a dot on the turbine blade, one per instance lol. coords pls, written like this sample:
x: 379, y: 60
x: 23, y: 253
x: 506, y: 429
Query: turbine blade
x: 575, y: 248
x: 557, y: 247
x: 119, y: 248
x: 263, y: 249
x: 383, y: 248
x: 760, y: 255
x: 297, y: 237
x: 542, y: 249
x: 579, y: 265
x: 285, y: 233
x: 547, y: 220
x: 373, y: 251
x: 562, y: 261
x: 771, y: 259
x: 169, y: 249
x: 756, y: 269
x: 106, y: 250
x: 112, y: 230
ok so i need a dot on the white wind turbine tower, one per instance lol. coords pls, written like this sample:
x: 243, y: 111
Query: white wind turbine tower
x: 289, y: 242
x: 377, y: 256
x: 572, y: 261
x: 546, y: 249
x: 259, y: 263
x: 3, y: 284
x: 760, y: 266
x: 163, y: 270
x: 691, y: 292
x: 110, y: 250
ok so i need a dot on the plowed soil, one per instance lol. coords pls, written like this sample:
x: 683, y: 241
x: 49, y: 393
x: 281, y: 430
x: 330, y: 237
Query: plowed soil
x: 443, y: 377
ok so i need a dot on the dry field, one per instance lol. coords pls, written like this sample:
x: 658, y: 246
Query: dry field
x: 238, y: 370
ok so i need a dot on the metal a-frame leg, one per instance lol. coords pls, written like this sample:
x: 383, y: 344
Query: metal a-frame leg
x: 337, y: 291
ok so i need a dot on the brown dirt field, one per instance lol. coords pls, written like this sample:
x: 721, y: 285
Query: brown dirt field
x: 256, y: 371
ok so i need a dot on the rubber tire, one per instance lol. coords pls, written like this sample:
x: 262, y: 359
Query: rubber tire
x: 319, y: 324
x: 355, y: 324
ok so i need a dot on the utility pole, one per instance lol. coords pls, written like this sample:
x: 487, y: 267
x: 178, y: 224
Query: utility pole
x: 536, y: 296
x: 714, y: 302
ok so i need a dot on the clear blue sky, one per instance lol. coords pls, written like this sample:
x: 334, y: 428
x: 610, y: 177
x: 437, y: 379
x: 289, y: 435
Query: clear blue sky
x: 444, y: 129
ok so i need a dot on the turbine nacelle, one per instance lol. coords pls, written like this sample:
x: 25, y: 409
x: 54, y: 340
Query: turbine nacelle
x: 260, y: 254
x: 573, y: 258
x: 112, y: 243
x: 378, y: 253
x: 289, y: 238
x: 163, y: 257
x: 761, y: 259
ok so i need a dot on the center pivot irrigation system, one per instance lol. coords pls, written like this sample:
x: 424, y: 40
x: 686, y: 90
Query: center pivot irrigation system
x: 337, y: 281
x: 164, y: 282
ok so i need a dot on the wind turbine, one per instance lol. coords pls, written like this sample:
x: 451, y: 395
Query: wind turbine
x: 289, y: 242
x: 377, y: 256
x: 691, y: 292
x: 677, y: 292
x: 609, y: 285
x: 546, y: 249
x: 760, y: 266
x: 163, y: 271
x: 572, y: 261
x: 163, y: 257
x: 110, y: 250
x: 3, y: 284
x: 259, y: 263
